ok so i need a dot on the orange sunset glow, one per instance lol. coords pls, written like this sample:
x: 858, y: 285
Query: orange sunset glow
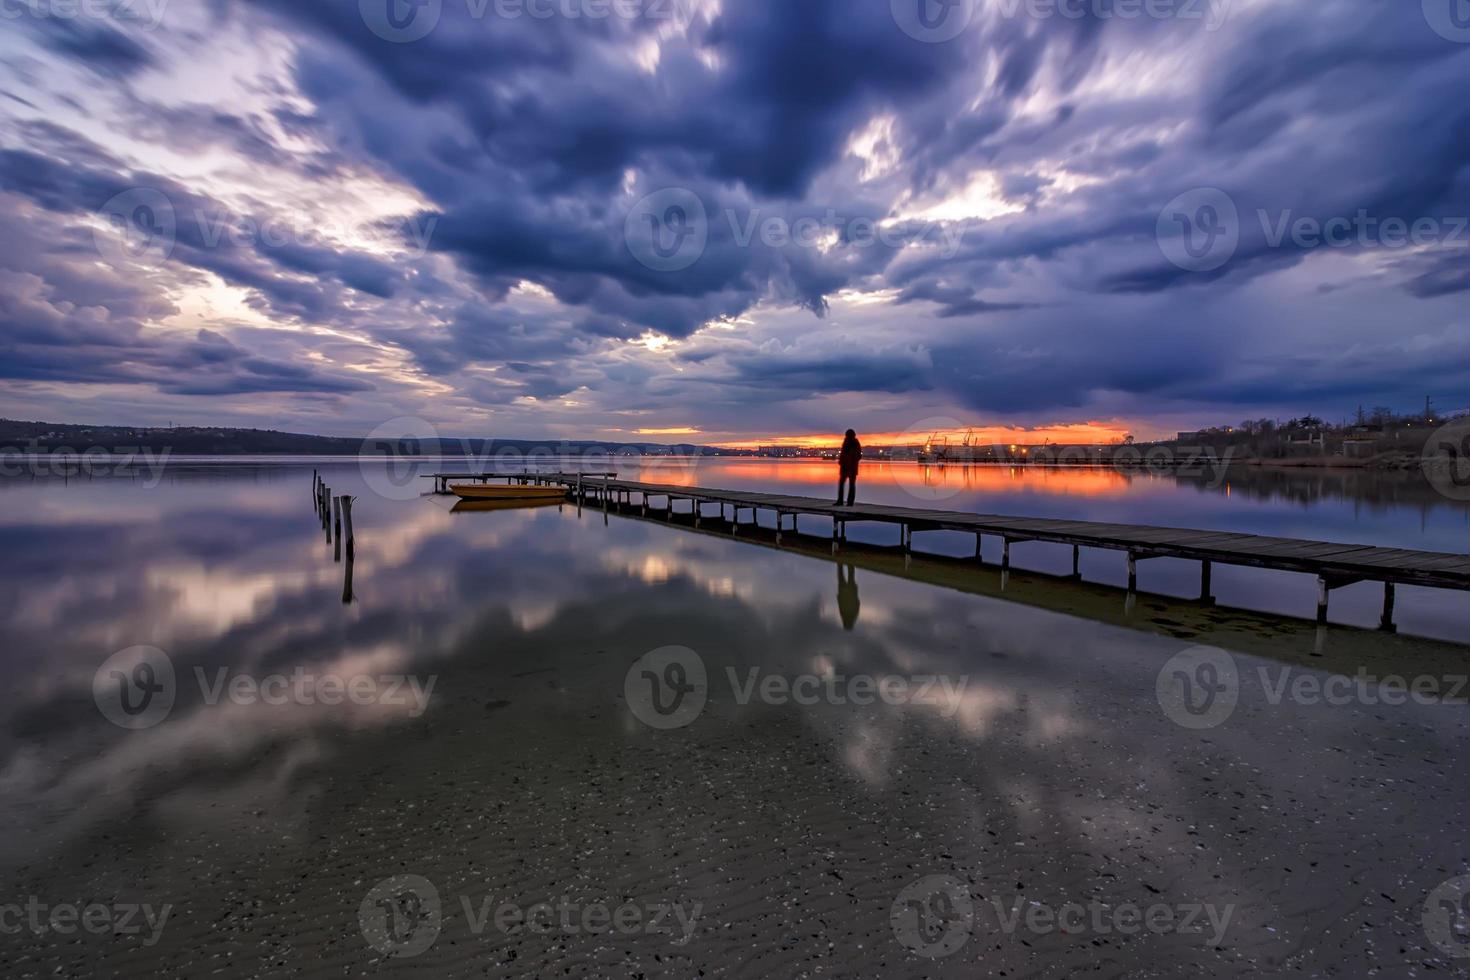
x: 1073, y: 434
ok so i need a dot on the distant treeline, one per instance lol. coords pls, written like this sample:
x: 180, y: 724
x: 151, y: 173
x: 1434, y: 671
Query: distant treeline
x: 48, y: 437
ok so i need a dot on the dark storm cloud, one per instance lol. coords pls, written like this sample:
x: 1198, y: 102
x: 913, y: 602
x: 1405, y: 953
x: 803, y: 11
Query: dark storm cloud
x: 277, y: 256
x: 92, y: 42
x: 529, y: 140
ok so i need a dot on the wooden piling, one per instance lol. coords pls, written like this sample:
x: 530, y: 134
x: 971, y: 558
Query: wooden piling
x: 347, y: 526
x: 1386, y: 622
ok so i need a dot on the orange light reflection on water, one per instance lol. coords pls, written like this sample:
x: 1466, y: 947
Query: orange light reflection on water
x: 746, y: 473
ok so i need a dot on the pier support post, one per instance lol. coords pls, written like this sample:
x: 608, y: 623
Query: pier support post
x: 1323, y: 590
x: 1205, y: 594
x: 337, y: 527
x: 1076, y: 562
x: 1005, y: 555
x: 347, y: 527
x: 908, y: 538
x: 1386, y: 623
x: 1132, y: 572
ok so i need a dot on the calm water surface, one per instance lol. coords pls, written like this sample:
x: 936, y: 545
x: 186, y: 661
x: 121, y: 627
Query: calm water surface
x: 521, y: 742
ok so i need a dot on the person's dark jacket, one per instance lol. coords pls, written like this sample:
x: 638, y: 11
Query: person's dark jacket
x: 847, y: 461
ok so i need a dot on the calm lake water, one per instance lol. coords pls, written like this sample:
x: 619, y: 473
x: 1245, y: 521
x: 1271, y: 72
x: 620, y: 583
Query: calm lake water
x: 544, y: 741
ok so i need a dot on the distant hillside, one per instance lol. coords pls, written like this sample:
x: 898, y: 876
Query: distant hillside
x: 44, y: 437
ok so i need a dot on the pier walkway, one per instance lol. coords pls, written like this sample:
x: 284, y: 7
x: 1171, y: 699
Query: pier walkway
x: 1336, y: 565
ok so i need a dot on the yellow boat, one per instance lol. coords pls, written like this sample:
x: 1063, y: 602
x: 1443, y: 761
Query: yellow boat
x: 482, y: 491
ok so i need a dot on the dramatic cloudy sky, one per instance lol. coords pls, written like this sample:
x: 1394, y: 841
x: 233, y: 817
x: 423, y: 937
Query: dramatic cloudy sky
x: 741, y: 218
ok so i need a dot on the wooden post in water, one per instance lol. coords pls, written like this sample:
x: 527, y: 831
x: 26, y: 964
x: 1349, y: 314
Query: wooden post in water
x: 1132, y: 572
x: 347, y: 581
x: 1386, y: 623
x: 347, y: 527
x: 1322, y: 592
x: 337, y: 527
x: 1076, y: 562
x: 1205, y: 594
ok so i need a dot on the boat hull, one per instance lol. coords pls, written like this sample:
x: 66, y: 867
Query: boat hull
x: 471, y: 491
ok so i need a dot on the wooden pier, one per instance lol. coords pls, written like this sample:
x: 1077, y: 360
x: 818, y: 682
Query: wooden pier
x: 1335, y: 565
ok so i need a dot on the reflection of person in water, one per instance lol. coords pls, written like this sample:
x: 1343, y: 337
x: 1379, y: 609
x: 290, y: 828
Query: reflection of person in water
x: 847, y: 596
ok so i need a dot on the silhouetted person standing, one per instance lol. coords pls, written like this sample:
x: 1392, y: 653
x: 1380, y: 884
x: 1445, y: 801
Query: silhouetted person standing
x: 847, y: 467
